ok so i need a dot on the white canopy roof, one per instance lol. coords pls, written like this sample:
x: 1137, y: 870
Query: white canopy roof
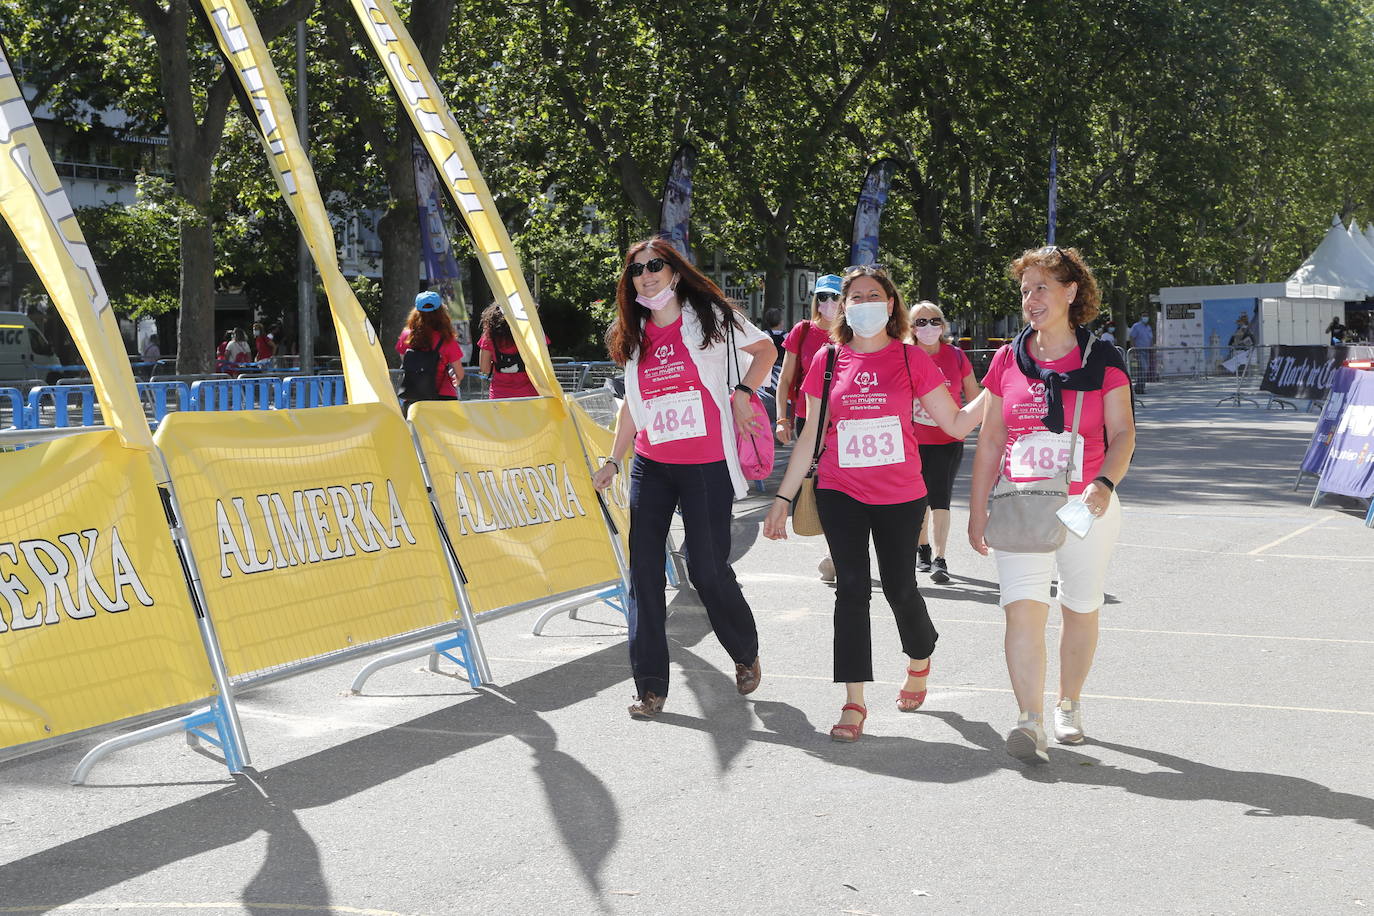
x: 1338, y: 261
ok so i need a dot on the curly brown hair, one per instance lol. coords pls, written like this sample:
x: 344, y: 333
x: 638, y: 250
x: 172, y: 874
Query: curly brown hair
x: 695, y: 290
x: 1067, y: 266
x: 425, y: 327
x: 898, y: 323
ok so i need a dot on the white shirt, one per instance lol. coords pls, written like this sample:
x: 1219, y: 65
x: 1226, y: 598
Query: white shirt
x: 717, y: 373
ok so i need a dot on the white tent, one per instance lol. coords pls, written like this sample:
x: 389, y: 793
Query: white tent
x: 1362, y: 243
x: 1338, y: 261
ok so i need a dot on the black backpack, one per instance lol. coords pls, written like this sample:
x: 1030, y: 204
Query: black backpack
x: 420, y: 381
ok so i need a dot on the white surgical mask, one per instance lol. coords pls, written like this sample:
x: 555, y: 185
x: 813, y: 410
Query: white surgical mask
x: 867, y: 318
x: 828, y: 310
x: 930, y: 334
x: 658, y: 300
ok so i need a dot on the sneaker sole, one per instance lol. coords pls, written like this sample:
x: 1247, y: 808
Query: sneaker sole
x: 1021, y: 745
x: 939, y: 577
x: 1069, y: 739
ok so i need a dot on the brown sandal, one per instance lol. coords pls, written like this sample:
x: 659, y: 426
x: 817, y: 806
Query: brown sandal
x: 647, y: 706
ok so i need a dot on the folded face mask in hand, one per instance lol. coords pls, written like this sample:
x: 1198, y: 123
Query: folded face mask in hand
x: 1076, y: 516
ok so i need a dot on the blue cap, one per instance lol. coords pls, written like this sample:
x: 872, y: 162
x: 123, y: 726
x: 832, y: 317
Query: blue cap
x: 828, y: 284
x: 428, y: 302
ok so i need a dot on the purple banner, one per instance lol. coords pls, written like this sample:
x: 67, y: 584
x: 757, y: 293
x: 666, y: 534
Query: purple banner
x: 1349, y: 467
x: 868, y: 212
x: 1320, y: 445
x: 435, y: 240
x: 675, y: 220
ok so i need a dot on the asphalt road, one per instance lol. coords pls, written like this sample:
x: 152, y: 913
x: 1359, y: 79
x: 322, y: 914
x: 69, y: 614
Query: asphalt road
x: 1228, y: 768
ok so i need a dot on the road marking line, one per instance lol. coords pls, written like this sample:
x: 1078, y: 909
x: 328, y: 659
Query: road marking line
x: 1302, y: 530
x: 1007, y: 690
x: 237, y: 905
x: 1229, y: 553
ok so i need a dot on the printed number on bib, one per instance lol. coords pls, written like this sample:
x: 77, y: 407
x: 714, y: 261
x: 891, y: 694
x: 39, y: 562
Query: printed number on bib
x: 676, y: 416
x: 870, y: 443
x: 1045, y: 454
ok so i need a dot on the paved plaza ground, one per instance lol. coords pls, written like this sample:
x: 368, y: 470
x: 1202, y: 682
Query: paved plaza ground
x: 1229, y: 766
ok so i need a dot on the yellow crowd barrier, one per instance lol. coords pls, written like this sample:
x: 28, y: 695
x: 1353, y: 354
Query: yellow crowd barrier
x: 312, y: 530
x: 96, y: 623
x: 516, y: 497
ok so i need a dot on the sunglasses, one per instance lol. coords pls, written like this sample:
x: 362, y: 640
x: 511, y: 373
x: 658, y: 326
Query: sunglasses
x: 827, y: 297
x: 922, y: 322
x: 869, y: 270
x: 653, y: 266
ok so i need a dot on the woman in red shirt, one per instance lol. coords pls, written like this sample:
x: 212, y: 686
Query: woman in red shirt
x: 1033, y: 387
x: 869, y: 483
x: 499, y: 357
x: 799, y: 348
x: 429, y: 329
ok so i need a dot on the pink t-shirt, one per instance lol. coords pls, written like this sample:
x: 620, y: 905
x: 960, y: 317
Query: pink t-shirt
x: 507, y: 384
x: 450, y: 352
x: 683, y: 424
x: 1033, y: 452
x: 955, y: 367
x: 805, y: 338
x: 870, y: 443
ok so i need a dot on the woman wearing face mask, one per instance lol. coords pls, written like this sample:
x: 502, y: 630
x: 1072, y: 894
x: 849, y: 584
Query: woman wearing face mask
x: 941, y: 454
x: 1034, y: 385
x: 869, y: 481
x: 682, y: 343
x: 800, y: 346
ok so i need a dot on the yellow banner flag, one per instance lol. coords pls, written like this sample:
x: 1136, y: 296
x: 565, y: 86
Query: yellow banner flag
x: 364, y: 363
x: 312, y: 529
x: 36, y: 207
x: 448, y: 148
x: 96, y: 622
x: 516, y: 494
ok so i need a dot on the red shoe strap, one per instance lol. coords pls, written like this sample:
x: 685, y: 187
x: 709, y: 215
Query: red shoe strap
x: 922, y: 673
x: 856, y: 707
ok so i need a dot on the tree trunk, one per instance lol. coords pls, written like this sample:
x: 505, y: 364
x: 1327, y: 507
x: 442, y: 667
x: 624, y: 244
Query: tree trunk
x: 776, y: 290
x: 196, y: 320
x: 399, y: 230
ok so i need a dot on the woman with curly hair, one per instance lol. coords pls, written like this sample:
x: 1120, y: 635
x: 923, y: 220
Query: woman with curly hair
x: 1033, y: 383
x: 499, y: 358
x: 431, y: 357
x: 692, y: 362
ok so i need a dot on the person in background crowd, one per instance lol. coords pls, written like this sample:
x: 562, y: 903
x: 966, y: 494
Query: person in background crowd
x: 680, y: 341
x: 869, y: 481
x: 801, y: 345
x: 150, y: 355
x: 772, y: 320
x: 1142, y: 337
x: 1033, y: 386
x: 263, y: 344
x: 431, y: 357
x: 1336, y: 331
x: 221, y: 359
x: 237, y: 352
x: 499, y: 358
x: 1109, y: 332
x: 1242, y: 339
x: 941, y: 453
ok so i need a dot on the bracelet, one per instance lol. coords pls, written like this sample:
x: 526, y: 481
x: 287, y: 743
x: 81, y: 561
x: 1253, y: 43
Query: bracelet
x: 610, y: 460
x: 745, y: 388
x: 1106, y: 482
x: 783, y: 498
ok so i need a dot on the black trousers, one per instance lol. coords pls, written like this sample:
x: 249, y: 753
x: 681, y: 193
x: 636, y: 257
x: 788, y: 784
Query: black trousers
x: 706, y: 495
x: 848, y: 526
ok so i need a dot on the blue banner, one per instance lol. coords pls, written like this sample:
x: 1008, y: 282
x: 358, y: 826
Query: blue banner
x: 868, y: 212
x: 1320, y: 445
x: 1349, y: 467
x: 435, y: 240
x: 675, y: 220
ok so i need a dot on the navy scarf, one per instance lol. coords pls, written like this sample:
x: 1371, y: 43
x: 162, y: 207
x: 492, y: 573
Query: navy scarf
x: 1088, y: 378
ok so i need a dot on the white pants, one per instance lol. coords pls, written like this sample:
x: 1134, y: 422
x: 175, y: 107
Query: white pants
x: 1082, y: 566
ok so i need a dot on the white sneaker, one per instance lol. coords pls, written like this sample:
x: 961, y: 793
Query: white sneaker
x: 1068, y: 722
x: 827, y: 569
x: 1027, y: 741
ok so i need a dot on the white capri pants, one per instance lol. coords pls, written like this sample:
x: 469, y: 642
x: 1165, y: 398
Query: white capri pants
x: 1082, y: 566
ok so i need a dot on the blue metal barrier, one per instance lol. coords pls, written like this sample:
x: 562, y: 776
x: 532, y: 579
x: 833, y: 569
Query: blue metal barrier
x: 17, y: 416
x: 314, y: 391
x: 252, y: 393
x: 158, y: 397
x: 61, y: 397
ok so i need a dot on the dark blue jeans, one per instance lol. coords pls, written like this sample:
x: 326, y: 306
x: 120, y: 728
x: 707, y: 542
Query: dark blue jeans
x: 848, y: 524
x: 706, y: 495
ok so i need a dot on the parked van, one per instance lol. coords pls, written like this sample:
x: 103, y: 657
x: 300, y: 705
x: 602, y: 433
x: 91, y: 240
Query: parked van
x: 24, y: 352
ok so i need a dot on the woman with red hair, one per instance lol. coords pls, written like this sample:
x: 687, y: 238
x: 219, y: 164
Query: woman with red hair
x: 683, y: 344
x: 431, y: 357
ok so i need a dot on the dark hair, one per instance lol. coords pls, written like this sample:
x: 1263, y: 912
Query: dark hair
x: 494, y: 325
x: 695, y: 290
x: 898, y: 323
x: 1067, y: 266
x: 425, y: 326
x: 240, y: 336
x: 771, y: 317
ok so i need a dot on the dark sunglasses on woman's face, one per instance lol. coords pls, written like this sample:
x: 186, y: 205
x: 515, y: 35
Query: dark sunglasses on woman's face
x: 827, y: 297
x: 653, y: 266
x: 922, y: 322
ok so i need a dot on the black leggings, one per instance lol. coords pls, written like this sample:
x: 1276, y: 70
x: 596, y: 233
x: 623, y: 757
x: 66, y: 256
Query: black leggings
x: 939, y: 467
x: 848, y: 524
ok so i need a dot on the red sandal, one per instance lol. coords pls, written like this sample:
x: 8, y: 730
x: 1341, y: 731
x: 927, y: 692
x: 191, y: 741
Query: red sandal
x: 849, y: 733
x: 914, y: 697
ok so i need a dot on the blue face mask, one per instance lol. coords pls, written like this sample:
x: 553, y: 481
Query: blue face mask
x: 867, y: 318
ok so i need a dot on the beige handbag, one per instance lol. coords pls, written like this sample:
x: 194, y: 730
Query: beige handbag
x: 806, y: 520
x: 1022, y: 516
